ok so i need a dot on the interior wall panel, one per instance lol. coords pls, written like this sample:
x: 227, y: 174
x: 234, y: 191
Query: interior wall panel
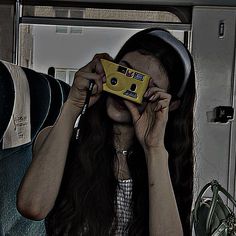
x: 6, y: 32
x: 214, y: 57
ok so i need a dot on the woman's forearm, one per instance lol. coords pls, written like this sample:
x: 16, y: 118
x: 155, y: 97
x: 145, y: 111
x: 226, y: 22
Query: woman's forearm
x: 164, y: 217
x: 40, y: 186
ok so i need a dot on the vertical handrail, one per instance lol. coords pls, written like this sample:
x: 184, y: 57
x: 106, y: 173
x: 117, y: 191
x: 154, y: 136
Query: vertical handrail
x: 16, y: 31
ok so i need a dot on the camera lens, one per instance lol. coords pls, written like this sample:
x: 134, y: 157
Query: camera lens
x: 113, y: 81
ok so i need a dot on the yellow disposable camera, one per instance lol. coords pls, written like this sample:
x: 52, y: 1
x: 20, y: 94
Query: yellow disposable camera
x: 124, y: 82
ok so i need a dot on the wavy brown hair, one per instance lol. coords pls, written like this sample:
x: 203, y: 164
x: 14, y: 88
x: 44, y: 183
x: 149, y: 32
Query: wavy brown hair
x: 85, y: 203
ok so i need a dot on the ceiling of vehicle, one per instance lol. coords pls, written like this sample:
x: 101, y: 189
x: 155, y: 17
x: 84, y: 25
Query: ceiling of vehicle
x: 141, y: 2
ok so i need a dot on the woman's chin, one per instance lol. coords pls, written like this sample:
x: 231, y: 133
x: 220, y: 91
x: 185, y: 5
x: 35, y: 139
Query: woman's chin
x: 121, y: 118
x: 117, y: 110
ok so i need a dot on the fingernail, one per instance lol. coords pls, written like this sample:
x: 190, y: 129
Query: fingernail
x: 104, y: 79
x: 146, y: 94
x: 152, y: 97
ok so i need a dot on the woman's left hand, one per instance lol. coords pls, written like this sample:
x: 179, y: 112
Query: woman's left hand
x: 150, y: 124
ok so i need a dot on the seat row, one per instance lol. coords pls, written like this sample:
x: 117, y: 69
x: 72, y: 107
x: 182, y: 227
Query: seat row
x: 29, y: 101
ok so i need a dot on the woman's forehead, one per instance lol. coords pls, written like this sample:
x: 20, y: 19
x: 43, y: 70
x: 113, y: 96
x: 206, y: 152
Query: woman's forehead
x: 147, y: 64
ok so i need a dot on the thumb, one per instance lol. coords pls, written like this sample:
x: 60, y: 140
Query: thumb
x: 133, y: 110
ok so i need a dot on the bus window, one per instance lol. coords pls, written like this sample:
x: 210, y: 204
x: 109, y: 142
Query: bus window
x: 68, y: 44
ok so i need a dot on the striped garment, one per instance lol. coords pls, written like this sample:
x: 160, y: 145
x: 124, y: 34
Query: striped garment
x: 123, y: 206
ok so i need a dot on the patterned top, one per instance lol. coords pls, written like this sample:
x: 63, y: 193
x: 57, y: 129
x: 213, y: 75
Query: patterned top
x: 123, y: 206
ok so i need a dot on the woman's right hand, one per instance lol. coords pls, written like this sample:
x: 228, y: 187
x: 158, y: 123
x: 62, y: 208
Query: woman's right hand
x: 92, y: 71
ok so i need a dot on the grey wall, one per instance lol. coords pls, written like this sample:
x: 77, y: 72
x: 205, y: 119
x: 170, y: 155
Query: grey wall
x: 6, y: 32
x: 214, y: 58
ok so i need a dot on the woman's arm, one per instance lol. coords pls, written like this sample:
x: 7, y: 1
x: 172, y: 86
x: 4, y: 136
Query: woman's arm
x: 150, y: 128
x: 41, y: 183
x: 164, y: 217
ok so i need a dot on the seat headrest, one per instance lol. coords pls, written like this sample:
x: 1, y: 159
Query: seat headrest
x: 56, y: 100
x: 40, y: 94
x: 18, y: 130
x: 65, y: 89
x: 7, y: 98
x: 29, y: 97
x: 29, y: 101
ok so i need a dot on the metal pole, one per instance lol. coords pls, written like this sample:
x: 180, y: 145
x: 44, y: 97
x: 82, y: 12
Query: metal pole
x: 16, y: 32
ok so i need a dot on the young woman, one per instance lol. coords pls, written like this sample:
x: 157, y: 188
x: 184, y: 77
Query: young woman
x: 131, y: 173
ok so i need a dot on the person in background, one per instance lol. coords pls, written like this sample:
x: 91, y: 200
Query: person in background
x: 51, y: 71
x: 131, y: 173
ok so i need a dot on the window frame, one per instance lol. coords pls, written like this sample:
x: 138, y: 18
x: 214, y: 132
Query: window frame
x: 82, y: 22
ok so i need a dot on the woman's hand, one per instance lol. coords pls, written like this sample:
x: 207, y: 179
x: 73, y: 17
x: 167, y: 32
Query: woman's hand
x: 93, y: 71
x: 151, y: 123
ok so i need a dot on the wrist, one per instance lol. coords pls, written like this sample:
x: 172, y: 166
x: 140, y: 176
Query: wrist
x: 155, y: 149
x: 157, y: 154
x: 70, y: 109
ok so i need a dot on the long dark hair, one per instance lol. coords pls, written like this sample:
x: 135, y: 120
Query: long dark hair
x: 85, y: 203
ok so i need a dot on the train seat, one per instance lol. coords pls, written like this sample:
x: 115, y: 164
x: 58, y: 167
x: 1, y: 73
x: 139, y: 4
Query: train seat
x: 59, y: 94
x: 29, y: 102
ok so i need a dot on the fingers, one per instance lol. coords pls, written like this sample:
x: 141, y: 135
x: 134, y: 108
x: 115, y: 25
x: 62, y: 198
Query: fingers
x: 160, y: 102
x: 155, y: 93
x: 82, y: 81
x: 95, y: 65
x: 92, y: 71
x: 152, y: 90
x: 103, y: 56
x: 133, y: 110
x: 98, y: 65
x: 162, y: 106
x: 158, y: 99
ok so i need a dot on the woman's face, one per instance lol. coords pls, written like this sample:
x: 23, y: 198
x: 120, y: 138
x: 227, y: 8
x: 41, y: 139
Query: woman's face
x: 147, y: 64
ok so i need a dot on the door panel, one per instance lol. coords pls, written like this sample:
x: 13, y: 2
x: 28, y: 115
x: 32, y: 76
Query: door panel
x: 214, y: 57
